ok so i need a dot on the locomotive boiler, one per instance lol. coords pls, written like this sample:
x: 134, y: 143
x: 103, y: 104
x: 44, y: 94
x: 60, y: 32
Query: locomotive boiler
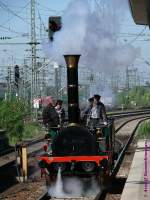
x: 79, y: 150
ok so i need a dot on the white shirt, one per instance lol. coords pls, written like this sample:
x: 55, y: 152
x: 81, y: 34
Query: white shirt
x: 94, y: 112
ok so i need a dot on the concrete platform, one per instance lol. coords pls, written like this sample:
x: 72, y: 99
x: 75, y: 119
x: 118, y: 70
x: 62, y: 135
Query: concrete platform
x: 137, y: 186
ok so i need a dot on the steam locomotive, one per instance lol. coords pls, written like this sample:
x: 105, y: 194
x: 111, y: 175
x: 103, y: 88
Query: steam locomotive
x: 79, y: 150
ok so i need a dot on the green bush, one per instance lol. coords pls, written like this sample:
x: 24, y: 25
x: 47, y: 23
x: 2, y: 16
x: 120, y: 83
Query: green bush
x: 31, y: 130
x: 12, y: 115
x: 144, y: 130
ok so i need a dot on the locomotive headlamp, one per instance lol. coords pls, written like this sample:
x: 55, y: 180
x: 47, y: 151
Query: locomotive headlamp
x: 88, y: 166
x: 99, y: 132
x: 62, y: 166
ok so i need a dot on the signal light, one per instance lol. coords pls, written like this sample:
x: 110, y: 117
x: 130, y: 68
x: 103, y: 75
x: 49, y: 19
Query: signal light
x: 17, y: 76
x: 88, y: 166
x: 54, y: 24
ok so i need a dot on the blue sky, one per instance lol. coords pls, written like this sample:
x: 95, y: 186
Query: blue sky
x: 15, y: 23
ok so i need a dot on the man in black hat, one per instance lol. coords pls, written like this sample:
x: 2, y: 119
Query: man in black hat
x: 51, y: 118
x: 98, y: 112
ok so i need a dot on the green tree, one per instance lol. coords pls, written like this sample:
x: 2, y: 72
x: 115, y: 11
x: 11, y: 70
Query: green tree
x: 12, y: 115
x: 137, y: 96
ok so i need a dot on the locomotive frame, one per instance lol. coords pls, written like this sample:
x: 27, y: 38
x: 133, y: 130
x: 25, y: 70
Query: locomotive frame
x: 79, y: 150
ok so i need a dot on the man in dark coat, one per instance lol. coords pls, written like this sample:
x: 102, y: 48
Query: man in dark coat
x: 86, y: 112
x: 50, y: 117
x: 98, y: 112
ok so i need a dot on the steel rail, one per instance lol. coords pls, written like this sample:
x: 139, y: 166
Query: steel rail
x: 127, y: 112
x: 122, y: 115
x: 44, y: 196
x: 123, y: 124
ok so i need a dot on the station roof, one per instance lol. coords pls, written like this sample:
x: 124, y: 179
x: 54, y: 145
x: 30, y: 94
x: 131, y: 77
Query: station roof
x: 140, y: 10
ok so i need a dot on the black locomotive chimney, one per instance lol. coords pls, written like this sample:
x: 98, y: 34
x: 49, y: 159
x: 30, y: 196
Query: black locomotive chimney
x: 72, y: 83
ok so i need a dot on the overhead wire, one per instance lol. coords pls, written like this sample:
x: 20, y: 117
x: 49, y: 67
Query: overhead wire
x: 41, y: 20
x: 8, y: 20
x: 140, y: 33
x: 11, y: 30
x: 48, y: 9
x: 20, y: 34
x: 4, y: 6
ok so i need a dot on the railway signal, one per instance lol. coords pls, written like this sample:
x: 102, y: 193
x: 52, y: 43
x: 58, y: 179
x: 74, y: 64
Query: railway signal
x: 54, y: 25
x: 17, y: 75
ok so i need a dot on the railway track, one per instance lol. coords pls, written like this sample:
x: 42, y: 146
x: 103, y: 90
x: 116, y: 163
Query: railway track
x: 45, y: 197
x: 127, y: 113
x: 27, y: 142
x: 32, y: 146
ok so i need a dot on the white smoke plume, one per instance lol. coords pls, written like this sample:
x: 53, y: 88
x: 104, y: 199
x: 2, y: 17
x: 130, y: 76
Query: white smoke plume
x: 56, y: 189
x: 73, y: 187
x: 108, y: 96
x: 94, y: 189
x: 91, y: 29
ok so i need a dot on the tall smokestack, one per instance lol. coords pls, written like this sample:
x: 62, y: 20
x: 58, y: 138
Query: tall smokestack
x: 72, y: 84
